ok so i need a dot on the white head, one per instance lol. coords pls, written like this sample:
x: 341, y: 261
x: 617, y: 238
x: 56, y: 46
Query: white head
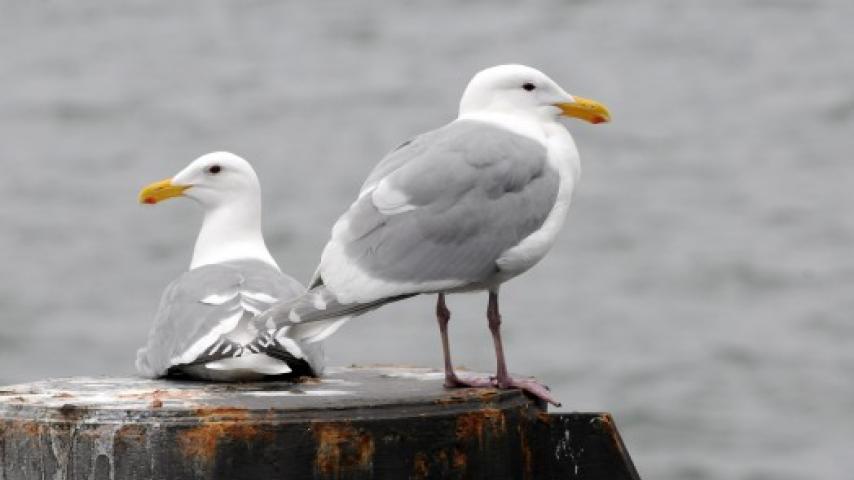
x: 521, y: 90
x: 228, y: 189
x: 213, y: 180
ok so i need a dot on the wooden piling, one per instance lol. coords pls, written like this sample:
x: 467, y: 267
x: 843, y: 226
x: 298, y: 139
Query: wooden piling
x: 357, y: 423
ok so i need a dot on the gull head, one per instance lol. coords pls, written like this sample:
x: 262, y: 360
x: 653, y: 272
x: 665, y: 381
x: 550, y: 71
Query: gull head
x: 213, y: 179
x: 522, y: 90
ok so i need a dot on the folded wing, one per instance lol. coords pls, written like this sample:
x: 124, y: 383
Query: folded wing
x: 438, y: 212
x: 204, y: 320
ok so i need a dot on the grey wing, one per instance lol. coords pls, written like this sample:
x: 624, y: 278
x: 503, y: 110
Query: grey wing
x: 458, y: 198
x: 397, y: 158
x: 206, y: 313
x: 195, y: 311
x: 264, y: 285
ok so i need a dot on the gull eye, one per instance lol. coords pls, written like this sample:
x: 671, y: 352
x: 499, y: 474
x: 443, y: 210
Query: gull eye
x: 214, y: 169
x: 528, y: 86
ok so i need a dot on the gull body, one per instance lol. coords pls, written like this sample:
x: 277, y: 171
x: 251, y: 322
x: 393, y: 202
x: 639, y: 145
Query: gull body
x: 203, y: 327
x: 466, y: 207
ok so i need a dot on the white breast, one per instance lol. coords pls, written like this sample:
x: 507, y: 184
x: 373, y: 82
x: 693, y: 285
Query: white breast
x: 563, y: 157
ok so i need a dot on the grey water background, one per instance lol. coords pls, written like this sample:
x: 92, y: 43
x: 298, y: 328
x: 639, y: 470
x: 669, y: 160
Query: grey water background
x: 702, y: 288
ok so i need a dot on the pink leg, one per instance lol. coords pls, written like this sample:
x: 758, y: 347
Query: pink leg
x: 502, y: 376
x: 443, y: 316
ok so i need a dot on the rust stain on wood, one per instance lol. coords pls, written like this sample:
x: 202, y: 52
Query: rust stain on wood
x: 158, y: 395
x: 29, y: 428
x: 136, y: 433
x: 607, y: 424
x: 471, y: 425
x: 227, y: 413
x: 420, y: 466
x: 342, y: 448
x: 215, y: 424
x: 459, y: 460
x: 484, y: 395
x: 442, y: 457
x: 496, y: 419
x: 527, y: 454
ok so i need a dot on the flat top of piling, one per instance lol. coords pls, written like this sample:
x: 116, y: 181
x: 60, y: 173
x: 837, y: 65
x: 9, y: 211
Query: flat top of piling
x: 343, y: 391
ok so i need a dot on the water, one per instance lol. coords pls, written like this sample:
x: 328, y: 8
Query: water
x: 701, y: 290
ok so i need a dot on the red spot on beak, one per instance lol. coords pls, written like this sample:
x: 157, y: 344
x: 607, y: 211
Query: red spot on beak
x: 150, y: 200
x: 597, y: 120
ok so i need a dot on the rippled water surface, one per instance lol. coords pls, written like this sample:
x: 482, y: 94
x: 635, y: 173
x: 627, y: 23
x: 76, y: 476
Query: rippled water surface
x: 701, y: 291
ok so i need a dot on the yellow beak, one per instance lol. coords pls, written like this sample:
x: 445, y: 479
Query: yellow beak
x: 585, y: 109
x: 162, y: 190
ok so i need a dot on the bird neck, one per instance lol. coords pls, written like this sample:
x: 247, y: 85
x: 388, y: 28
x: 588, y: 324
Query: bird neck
x: 526, y: 125
x: 232, y: 231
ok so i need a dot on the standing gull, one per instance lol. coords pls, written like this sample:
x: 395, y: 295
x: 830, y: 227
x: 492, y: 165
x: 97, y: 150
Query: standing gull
x: 462, y: 208
x: 203, y: 327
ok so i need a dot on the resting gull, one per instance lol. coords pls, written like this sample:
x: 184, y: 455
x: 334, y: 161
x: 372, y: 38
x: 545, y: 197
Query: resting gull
x: 203, y: 327
x: 462, y: 208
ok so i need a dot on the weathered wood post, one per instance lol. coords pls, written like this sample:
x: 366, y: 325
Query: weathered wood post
x: 394, y: 423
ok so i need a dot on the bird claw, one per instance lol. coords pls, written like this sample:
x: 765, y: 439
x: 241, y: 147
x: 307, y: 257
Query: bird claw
x: 531, y: 386
x: 455, y: 381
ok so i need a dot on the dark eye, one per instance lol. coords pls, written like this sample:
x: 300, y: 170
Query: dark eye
x: 214, y: 169
x: 529, y: 86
